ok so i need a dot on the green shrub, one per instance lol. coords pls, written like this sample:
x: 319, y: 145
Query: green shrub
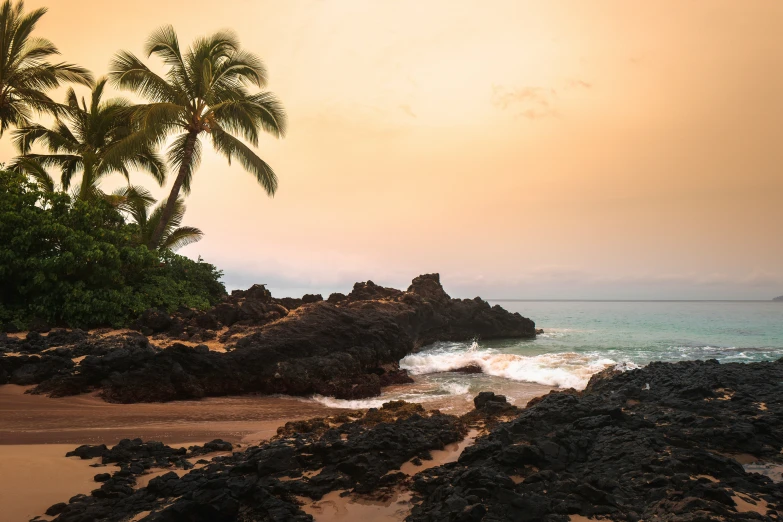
x: 75, y: 263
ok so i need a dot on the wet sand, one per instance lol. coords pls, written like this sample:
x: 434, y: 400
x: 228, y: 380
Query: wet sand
x: 36, y: 432
x: 86, y: 419
x: 354, y: 508
x: 334, y: 507
x: 440, y: 457
x: 34, y: 477
x: 746, y: 504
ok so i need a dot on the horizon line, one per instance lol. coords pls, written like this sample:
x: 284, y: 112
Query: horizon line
x: 636, y: 300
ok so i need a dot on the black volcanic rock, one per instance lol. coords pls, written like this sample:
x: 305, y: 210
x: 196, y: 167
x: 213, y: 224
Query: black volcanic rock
x: 428, y: 286
x: 363, y: 454
x: 347, y: 347
x: 290, y: 303
x: 337, y: 297
x: 369, y: 291
x: 259, y: 293
x: 311, y: 298
x: 648, y: 444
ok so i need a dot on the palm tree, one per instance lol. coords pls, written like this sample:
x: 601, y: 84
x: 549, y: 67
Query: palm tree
x: 174, y: 235
x: 204, y: 90
x: 25, y: 72
x: 96, y: 139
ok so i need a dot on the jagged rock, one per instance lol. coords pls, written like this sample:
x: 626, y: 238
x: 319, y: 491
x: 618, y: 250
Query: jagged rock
x: 618, y: 451
x: 86, y: 451
x: 56, y: 509
x: 484, y: 398
x: 428, y: 286
x: 290, y: 303
x: 470, y: 368
x: 348, y: 350
x: 369, y: 291
x: 362, y: 454
x: 33, y: 369
x: 311, y: 298
x: 153, y: 321
x: 337, y: 297
x: 624, y: 451
x: 225, y: 313
x: 259, y: 293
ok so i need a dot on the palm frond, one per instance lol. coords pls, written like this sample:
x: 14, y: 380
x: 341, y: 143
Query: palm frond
x: 134, y: 200
x: 25, y: 73
x: 231, y: 148
x: 126, y: 71
x: 164, y: 43
x: 181, y: 237
x: 34, y: 169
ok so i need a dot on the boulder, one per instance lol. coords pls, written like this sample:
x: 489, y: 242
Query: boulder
x: 428, y: 286
x: 153, y: 321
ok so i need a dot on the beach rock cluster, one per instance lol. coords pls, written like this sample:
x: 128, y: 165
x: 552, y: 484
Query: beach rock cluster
x: 346, y: 347
x: 658, y: 443
x: 358, y: 451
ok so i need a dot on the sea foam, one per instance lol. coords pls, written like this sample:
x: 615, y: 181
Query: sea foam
x: 564, y: 370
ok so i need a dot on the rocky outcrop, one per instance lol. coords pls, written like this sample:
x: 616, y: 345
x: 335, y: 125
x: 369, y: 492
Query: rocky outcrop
x: 346, y: 347
x: 648, y: 444
x: 656, y: 443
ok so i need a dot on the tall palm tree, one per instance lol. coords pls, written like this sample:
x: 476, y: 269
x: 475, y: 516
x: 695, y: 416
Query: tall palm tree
x: 203, y: 91
x: 25, y: 72
x: 174, y: 235
x: 96, y: 139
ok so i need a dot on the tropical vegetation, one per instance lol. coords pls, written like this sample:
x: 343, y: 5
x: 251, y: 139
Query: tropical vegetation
x: 64, y: 261
x: 72, y: 254
x: 87, y: 139
x: 204, y: 91
x: 174, y: 236
x: 25, y: 70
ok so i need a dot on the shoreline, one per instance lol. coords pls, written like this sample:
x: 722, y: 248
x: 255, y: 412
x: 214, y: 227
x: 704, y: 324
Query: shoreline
x: 87, y: 419
x: 37, y: 431
x: 405, y: 461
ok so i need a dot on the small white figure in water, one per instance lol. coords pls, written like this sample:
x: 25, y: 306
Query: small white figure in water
x: 474, y: 346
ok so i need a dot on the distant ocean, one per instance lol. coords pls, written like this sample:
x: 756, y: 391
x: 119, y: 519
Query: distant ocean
x: 583, y: 337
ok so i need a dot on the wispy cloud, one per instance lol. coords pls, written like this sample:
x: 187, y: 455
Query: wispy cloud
x: 529, y: 102
x: 407, y: 110
x: 534, y: 102
x: 575, y: 83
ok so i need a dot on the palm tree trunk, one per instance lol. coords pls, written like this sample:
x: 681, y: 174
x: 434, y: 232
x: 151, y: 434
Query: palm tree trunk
x: 168, y: 210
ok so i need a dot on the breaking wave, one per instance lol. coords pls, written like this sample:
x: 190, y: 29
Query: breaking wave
x: 564, y: 370
x: 443, y: 390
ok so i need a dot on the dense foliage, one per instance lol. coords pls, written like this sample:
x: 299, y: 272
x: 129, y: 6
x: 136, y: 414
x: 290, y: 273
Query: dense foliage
x: 74, y: 259
x: 77, y: 263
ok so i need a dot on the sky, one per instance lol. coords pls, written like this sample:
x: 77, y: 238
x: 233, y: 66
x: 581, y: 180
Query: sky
x: 522, y: 149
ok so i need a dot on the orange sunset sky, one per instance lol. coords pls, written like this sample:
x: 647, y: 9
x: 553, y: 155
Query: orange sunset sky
x: 525, y: 149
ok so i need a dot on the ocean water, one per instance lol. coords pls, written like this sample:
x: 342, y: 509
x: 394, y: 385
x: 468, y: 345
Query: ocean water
x: 581, y: 338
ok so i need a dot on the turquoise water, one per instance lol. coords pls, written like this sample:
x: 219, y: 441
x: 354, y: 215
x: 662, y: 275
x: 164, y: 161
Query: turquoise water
x: 583, y: 337
x: 646, y: 331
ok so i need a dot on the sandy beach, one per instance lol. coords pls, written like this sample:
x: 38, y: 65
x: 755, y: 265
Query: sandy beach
x: 36, y: 432
x: 86, y: 419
